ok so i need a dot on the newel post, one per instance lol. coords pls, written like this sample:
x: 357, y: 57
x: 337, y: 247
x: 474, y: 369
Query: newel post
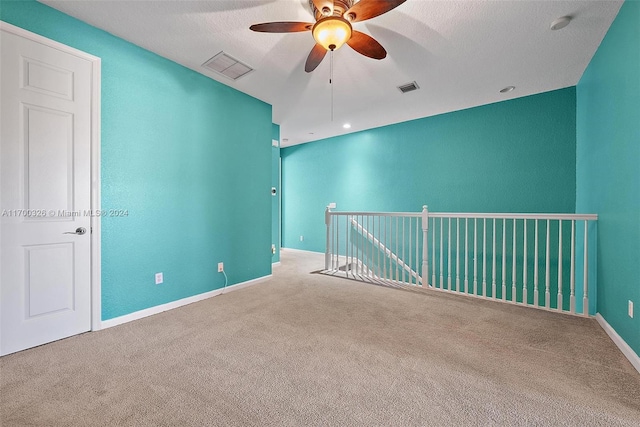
x: 327, y: 253
x: 425, y: 246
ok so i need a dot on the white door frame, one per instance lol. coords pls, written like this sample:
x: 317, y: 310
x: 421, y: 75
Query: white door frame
x: 96, y: 310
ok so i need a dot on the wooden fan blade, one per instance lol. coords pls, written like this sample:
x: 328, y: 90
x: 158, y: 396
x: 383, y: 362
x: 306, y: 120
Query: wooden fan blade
x: 282, y: 27
x: 315, y: 58
x: 321, y: 4
x: 367, y: 9
x: 366, y: 45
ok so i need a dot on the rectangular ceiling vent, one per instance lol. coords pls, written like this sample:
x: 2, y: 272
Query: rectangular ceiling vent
x: 409, y: 87
x: 228, y: 66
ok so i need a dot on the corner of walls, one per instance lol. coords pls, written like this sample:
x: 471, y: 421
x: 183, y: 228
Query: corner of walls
x: 607, y: 172
x: 275, y: 199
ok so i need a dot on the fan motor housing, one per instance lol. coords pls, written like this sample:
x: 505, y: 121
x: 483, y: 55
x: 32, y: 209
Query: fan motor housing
x: 339, y: 8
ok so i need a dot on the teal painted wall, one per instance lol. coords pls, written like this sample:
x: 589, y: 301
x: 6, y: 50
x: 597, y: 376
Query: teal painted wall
x: 275, y: 200
x: 188, y: 157
x: 608, y: 167
x: 513, y: 156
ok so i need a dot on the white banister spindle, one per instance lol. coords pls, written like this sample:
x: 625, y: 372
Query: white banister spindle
x: 441, y: 256
x: 475, y: 256
x: 559, y: 300
x: 547, y: 273
x: 372, y: 247
x: 397, y: 278
x: 337, y: 245
x: 466, y: 255
x: 484, y: 258
x: 378, y: 248
x: 504, y: 259
x: 352, y: 237
x: 572, y: 280
x: 386, y: 245
x: 364, y: 244
x: 327, y: 253
x: 585, y: 299
x: 417, y: 264
x: 410, y: 245
x: 403, y: 246
x: 514, y: 293
x: 458, y: 255
x: 359, y: 265
x: 425, y: 246
x: 525, y: 262
x: 433, y: 254
x: 368, y: 249
x: 358, y: 245
x: 536, y: 292
x: 333, y: 243
x: 449, y: 258
x: 493, y: 270
x: 347, y: 265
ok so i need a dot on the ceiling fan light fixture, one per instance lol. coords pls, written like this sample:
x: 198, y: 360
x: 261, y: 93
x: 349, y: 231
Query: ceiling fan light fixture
x: 332, y: 32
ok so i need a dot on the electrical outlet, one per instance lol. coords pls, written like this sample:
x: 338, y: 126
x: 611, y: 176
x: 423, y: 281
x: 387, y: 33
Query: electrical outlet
x: 220, y: 267
x: 631, y: 309
x: 159, y: 278
x: 302, y: 238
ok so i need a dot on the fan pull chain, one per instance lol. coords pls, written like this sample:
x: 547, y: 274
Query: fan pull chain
x: 331, y: 80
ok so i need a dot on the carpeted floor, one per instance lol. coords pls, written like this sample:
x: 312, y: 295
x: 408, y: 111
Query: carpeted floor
x: 305, y: 349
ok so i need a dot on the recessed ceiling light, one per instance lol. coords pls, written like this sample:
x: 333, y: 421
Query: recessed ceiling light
x: 560, y: 23
x: 346, y: 126
x: 507, y: 89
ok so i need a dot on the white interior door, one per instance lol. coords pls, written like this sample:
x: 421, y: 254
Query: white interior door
x: 45, y: 177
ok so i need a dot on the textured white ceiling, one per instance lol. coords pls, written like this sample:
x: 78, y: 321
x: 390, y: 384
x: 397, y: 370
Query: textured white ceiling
x: 461, y: 53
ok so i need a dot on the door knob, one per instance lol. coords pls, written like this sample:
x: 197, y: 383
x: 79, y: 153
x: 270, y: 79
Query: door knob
x: 79, y: 231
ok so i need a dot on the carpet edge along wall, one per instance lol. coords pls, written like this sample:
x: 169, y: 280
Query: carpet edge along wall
x: 189, y: 159
x: 511, y: 156
x: 608, y: 167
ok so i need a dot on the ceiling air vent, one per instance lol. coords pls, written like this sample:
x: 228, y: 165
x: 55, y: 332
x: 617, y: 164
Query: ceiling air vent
x: 409, y: 87
x: 227, y: 66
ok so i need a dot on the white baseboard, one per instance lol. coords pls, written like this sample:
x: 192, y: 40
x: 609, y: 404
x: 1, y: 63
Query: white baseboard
x: 275, y: 264
x: 301, y: 250
x: 617, y: 340
x: 175, y: 304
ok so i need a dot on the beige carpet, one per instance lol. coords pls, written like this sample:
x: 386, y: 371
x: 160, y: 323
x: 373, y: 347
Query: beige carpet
x: 305, y: 349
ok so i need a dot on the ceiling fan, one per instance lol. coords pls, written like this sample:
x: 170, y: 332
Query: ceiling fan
x: 333, y: 27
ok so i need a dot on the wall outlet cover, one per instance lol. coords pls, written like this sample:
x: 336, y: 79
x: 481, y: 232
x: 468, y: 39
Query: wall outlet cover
x: 159, y: 278
x: 220, y: 267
